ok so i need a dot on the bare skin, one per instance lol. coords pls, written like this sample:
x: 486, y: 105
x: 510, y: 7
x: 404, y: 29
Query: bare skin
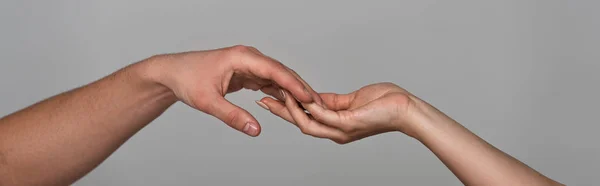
x: 385, y: 107
x: 60, y: 139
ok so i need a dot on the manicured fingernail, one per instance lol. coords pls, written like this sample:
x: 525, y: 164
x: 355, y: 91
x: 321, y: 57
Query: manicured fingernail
x: 263, y: 105
x: 251, y: 129
x: 282, y: 94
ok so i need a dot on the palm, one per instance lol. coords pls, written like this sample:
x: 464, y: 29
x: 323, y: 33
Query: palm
x: 378, y: 108
x: 374, y: 94
x: 371, y: 110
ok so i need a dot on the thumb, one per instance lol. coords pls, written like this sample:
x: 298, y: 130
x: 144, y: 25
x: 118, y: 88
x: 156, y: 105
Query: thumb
x: 233, y: 116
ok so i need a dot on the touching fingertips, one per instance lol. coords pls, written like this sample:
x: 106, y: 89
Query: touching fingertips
x: 308, y: 93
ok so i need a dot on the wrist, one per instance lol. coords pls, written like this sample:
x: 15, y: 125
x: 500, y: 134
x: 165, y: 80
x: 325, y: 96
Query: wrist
x: 150, y: 75
x: 436, y: 126
x: 423, y: 119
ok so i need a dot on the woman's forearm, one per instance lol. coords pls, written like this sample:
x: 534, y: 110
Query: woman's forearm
x: 470, y: 158
x: 58, y: 140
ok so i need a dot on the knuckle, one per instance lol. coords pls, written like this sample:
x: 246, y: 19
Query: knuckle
x: 348, y: 123
x: 229, y: 56
x: 202, y: 105
x: 390, y: 84
x: 243, y: 49
x: 239, y: 48
x: 305, y: 130
x: 254, y: 49
x: 342, y: 140
x: 232, y: 117
x: 236, y: 50
x: 400, y: 99
x: 336, y: 101
x: 239, y: 53
x: 199, y: 103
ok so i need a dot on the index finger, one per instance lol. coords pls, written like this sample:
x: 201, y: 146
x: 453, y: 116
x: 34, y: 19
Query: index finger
x: 267, y: 68
x: 315, y: 95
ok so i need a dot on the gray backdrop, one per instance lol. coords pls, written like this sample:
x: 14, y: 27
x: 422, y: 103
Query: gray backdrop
x: 522, y: 74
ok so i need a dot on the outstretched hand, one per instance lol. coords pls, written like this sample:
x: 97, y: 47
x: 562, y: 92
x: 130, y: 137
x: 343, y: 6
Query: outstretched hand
x: 371, y: 110
x: 201, y: 79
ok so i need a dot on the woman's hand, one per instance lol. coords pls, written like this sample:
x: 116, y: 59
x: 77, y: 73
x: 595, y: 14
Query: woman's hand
x: 201, y: 79
x: 385, y: 107
x: 371, y: 110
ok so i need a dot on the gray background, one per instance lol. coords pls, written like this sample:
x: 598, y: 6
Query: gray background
x: 522, y: 74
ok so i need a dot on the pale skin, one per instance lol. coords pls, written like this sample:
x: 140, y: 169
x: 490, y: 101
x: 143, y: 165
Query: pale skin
x: 59, y: 140
x: 385, y: 107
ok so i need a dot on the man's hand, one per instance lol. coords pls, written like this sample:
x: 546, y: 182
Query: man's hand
x: 371, y: 110
x: 201, y: 79
x: 58, y: 140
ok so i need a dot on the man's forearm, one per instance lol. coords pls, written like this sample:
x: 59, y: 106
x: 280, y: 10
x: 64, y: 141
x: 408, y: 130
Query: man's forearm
x: 58, y: 140
x: 470, y: 158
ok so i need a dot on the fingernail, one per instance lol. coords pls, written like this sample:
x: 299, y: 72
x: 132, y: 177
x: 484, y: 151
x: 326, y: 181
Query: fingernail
x: 263, y: 105
x: 282, y: 94
x: 251, y: 129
